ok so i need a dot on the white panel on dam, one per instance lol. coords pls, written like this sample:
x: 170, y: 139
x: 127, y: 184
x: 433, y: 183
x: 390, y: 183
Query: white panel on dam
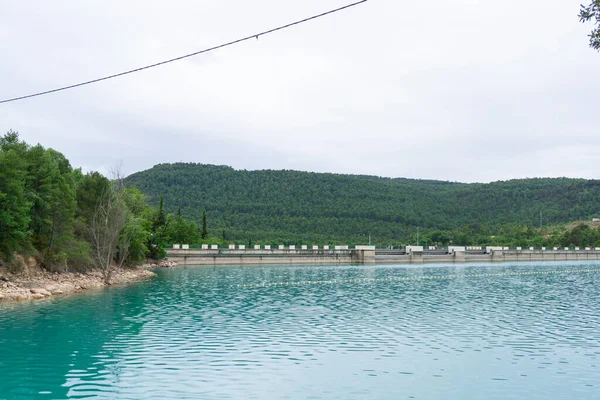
x: 452, y: 249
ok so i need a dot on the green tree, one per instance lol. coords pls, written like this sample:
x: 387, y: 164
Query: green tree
x: 50, y: 200
x: 204, y: 233
x: 49, y: 209
x: 53, y: 194
x: 135, y: 236
x: 50, y: 189
x: 89, y: 190
x: 591, y: 12
x: 138, y: 226
x: 14, y: 205
x: 160, y: 220
x: 158, y: 235
x: 179, y: 230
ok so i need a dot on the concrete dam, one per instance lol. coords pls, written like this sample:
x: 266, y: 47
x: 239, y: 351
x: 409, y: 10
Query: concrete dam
x: 369, y: 255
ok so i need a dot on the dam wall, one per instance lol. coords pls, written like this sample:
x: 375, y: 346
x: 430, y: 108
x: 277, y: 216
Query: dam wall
x: 492, y: 256
x: 269, y: 256
x: 549, y: 255
x: 366, y: 256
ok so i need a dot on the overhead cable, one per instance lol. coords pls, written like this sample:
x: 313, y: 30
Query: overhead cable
x: 254, y: 36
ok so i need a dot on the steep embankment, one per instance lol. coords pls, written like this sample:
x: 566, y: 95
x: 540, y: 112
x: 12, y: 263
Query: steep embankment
x: 305, y: 206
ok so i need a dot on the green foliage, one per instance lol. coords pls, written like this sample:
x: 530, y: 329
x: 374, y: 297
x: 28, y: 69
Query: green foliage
x: 591, y: 12
x: 89, y: 190
x: 47, y: 208
x: 78, y: 256
x: 138, y: 229
x: 138, y: 226
x: 52, y: 191
x: 204, y: 232
x: 37, y: 199
x: 14, y: 203
x: 581, y: 236
x: 291, y: 207
x: 179, y: 230
x: 160, y: 220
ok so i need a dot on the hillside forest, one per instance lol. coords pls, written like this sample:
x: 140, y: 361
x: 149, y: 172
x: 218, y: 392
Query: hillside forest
x: 293, y: 207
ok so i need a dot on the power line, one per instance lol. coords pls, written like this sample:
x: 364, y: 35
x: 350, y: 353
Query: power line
x: 255, y: 36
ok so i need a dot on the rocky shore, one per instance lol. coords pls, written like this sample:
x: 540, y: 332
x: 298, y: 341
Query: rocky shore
x: 161, y: 264
x: 37, y: 283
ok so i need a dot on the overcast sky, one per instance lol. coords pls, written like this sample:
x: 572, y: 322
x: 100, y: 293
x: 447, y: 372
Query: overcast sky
x: 459, y: 90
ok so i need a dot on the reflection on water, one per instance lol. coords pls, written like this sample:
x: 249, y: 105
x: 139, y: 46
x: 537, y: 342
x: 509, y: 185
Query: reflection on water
x: 193, y: 333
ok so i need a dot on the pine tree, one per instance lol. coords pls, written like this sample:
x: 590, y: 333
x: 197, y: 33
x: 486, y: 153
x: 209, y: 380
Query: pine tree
x: 14, y: 205
x: 204, y: 233
x: 160, y: 219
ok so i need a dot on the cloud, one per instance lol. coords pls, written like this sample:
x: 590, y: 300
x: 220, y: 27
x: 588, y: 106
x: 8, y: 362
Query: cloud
x: 461, y: 91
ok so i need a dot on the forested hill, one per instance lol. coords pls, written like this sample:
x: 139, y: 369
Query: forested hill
x: 304, y: 207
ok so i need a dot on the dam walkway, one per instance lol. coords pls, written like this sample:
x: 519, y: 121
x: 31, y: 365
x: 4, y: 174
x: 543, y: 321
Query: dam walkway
x: 368, y: 255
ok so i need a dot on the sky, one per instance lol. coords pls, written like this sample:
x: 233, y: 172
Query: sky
x: 462, y: 90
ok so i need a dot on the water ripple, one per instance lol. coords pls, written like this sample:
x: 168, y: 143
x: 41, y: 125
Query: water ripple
x: 502, y: 331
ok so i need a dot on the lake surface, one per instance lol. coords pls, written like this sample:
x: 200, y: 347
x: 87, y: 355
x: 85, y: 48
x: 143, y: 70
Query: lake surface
x: 501, y: 331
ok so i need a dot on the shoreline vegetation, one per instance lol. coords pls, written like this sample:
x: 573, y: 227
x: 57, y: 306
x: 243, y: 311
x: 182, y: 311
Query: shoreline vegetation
x: 58, y: 224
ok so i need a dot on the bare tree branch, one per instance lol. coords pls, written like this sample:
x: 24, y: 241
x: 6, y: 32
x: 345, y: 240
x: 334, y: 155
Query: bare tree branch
x: 110, y: 240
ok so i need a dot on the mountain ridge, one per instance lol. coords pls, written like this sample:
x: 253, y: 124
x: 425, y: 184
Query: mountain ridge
x: 294, y: 205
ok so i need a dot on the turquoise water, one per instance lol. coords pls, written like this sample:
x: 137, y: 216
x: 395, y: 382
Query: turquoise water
x: 353, y: 332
